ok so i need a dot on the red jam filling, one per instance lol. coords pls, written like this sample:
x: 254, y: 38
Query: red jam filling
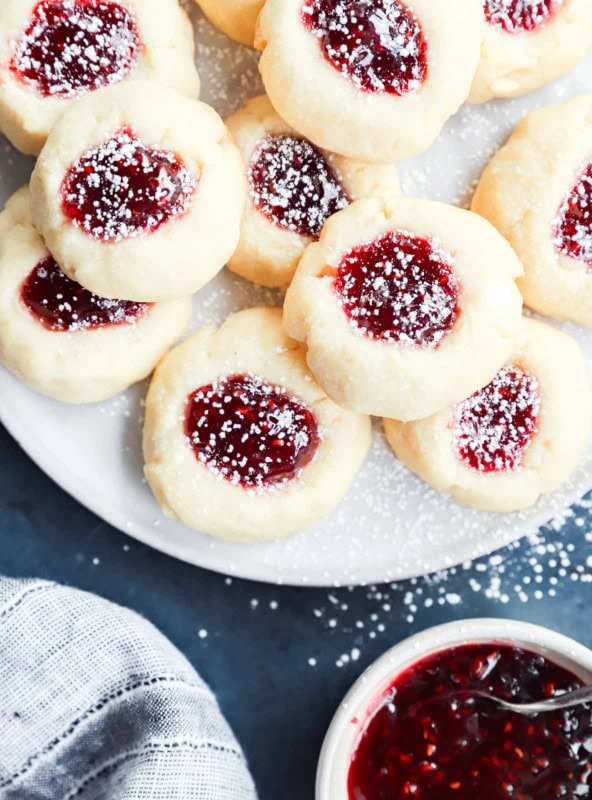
x: 71, y: 47
x: 399, y: 288
x: 292, y: 185
x: 573, y: 228
x: 430, y: 738
x: 61, y: 304
x: 253, y: 434
x: 495, y: 426
x: 125, y: 188
x: 518, y: 16
x: 378, y: 44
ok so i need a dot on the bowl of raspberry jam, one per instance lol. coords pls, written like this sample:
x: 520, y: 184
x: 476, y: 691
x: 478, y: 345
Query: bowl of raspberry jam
x: 416, y: 726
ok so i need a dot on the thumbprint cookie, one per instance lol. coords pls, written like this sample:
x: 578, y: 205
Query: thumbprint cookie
x: 528, y: 43
x: 537, y: 191
x: 240, y: 442
x: 235, y: 18
x: 139, y: 193
x: 515, y: 439
x: 405, y: 306
x: 61, y: 339
x: 372, y: 80
x: 52, y: 52
x: 292, y: 189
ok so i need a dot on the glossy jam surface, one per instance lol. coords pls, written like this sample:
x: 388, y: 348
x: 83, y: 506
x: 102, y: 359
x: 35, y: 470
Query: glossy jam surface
x: 573, y: 227
x: 519, y: 16
x: 494, y: 427
x: 431, y: 739
x: 125, y: 188
x: 292, y: 185
x: 61, y: 304
x: 399, y: 288
x: 251, y: 433
x: 378, y: 44
x: 71, y: 47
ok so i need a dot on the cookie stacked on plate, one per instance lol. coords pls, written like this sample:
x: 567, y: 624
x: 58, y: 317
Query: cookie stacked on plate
x: 395, y: 307
x: 86, y: 307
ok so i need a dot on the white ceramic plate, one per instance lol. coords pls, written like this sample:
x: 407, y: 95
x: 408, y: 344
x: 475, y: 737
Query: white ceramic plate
x: 390, y: 526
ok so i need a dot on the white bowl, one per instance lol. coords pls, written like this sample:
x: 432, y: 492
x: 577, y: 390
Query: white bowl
x: 348, y: 723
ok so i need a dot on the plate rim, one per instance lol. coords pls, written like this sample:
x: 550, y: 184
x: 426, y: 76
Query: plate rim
x: 202, y: 558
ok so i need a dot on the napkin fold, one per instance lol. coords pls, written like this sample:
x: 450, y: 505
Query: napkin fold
x: 96, y: 704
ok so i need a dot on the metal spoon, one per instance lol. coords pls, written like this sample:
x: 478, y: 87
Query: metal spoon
x: 567, y: 700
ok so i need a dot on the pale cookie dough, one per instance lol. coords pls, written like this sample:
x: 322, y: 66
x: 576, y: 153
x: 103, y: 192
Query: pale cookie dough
x: 517, y: 439
x: 45, y: 67
x: 406, y: 306
x: 233, y: 485
x: 60, y: 340
x: 293, y: 187
x: 380, y: 107
x: 236, y: 18
x: 529, y: 43
x: 537, y: 191
x: 162, y: 239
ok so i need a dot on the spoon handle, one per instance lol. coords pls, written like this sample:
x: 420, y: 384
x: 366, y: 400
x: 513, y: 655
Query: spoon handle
x: 568, y: 700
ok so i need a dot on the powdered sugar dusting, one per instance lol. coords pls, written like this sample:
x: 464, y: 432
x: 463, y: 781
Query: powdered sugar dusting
x: 390, y: 525
x: 251, y: 433
x: 573, y: 226
x: 399, y: 288
x: 60, y: 304
x: 377, y: 44
x: 292, y: 184
x: 124, y: 188
x: 71, y: 47
x: 515, y: 16
x: 494, y: 428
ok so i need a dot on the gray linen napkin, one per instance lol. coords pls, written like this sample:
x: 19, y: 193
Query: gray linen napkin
x: 96, y: 704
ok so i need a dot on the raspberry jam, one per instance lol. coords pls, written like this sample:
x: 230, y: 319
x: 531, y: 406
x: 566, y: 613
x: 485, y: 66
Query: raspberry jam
x: 399, y: 288
x: 292, y: 185
x: 519, y: 16
x: 253, y: 434
x: 430, y: 738
x: 71, y: 47
x: 125, y: 188
x: 61, y: 304
x: 494, y: 427
x: 573, y: 227
x: 378, y: 44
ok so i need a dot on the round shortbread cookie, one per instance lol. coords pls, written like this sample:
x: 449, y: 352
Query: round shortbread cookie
x: 239, y: 440
x: 139, y: 193
x: 406, y: 306
x: 235, y: 18
x: 60, y: 339
x: 372, y: 81
x: 293, y: 188
x: 52, y: 52
x: 516, y: 439
x: 529, y: 43
x: 537, y: 191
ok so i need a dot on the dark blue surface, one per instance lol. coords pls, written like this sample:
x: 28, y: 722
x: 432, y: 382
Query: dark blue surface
x: 260, y: 638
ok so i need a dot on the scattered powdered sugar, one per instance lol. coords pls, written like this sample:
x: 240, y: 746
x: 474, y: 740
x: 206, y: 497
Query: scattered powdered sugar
x: 515, y: 16
x: 365, y: 619
x: 124, y: 188
x: 573, y: 226
x: 495, y: 426
x: 292, y: 184
x: 390, y: 525
x: 71, y: 47
x: 378, y: 45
